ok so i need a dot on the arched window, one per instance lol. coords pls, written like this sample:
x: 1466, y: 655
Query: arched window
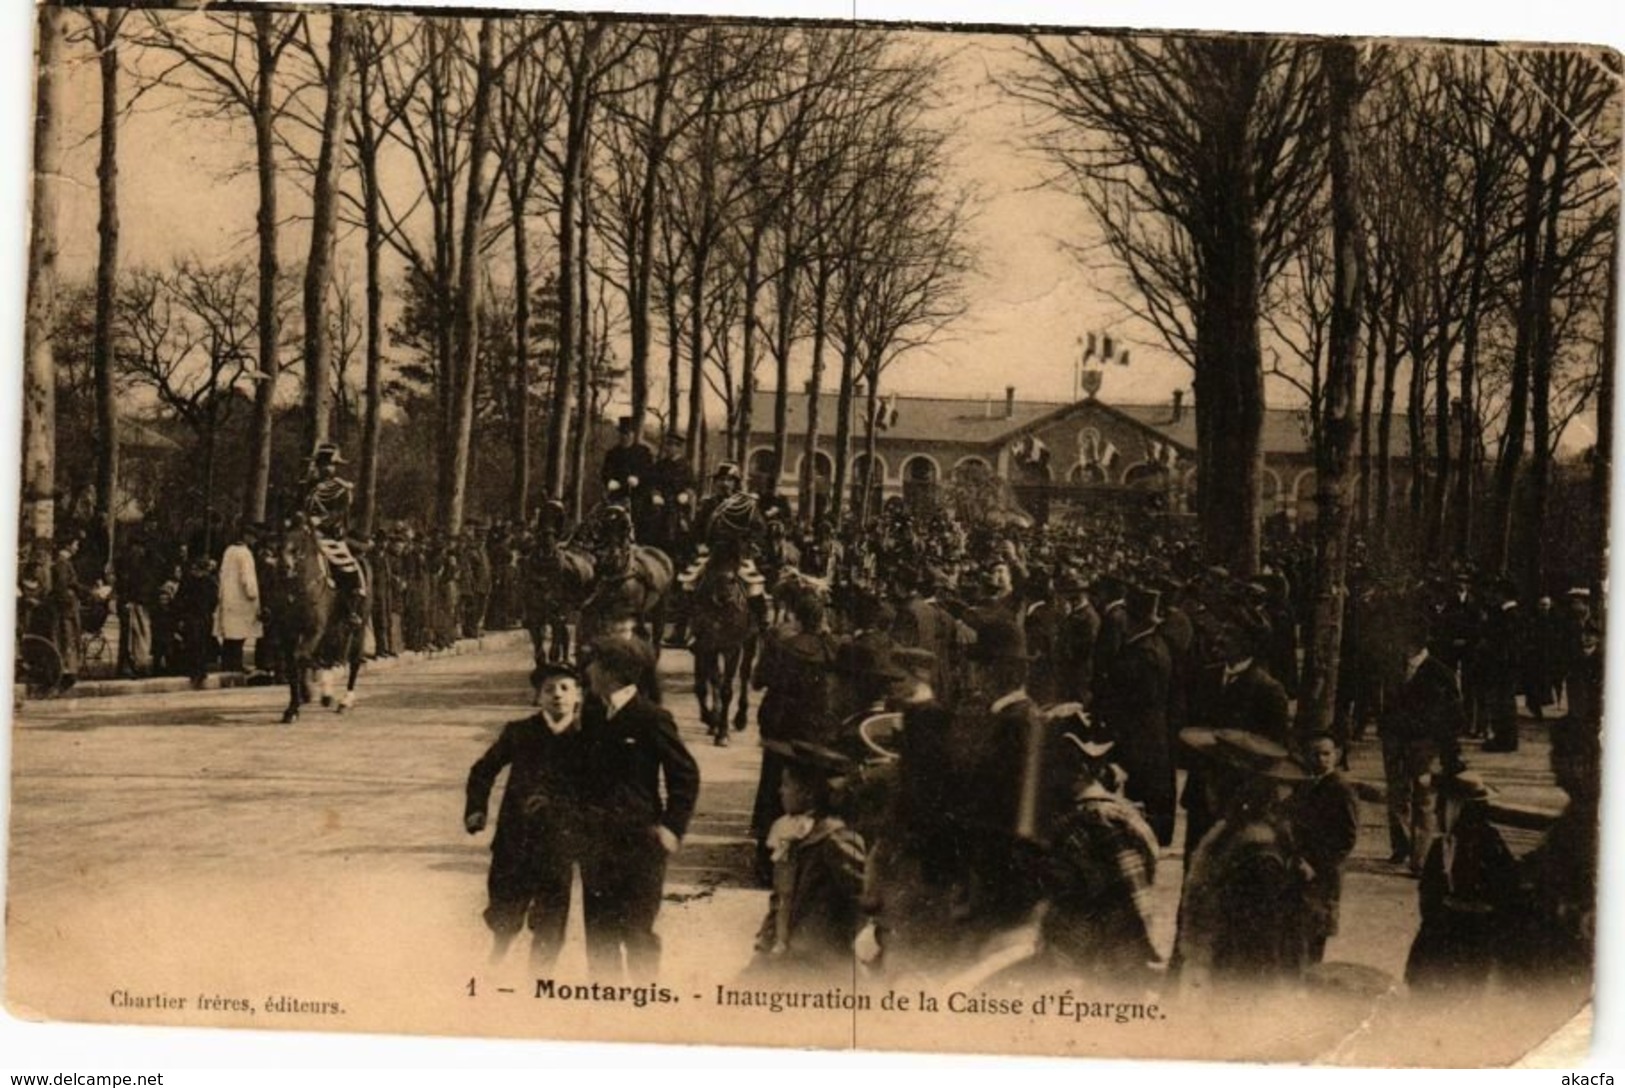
x: 1303, y: 495
x: 863, y: 480
x: 1081, y: 475
x: 920, y: 480
x: 1146, y: 476
x: 972, y: 468
x: 823, y: 474
x: 759, y: 475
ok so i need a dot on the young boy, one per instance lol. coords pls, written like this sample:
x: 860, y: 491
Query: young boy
x: 1325, y: 823
x: 537, y: 840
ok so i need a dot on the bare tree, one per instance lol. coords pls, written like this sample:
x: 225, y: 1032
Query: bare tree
x: 1335, y: 468
x: 527, y: 109
x: 234, y: 59
x: 1197, y: 157
x: 39, y: 383
x: 324, y: 227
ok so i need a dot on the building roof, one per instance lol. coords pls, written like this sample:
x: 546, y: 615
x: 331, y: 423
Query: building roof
x: 987, y: 421
x: 919, y: 419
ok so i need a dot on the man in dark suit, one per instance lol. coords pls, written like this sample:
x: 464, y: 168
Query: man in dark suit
x: 1243, y: 695
x: 1133, y: 703
x: 1421, y: 726
x: 1457, y: 623
x: 1502, y: 656
x: 628, y: 467
x: 1075, y: 641
x: 631, y: 745
x: 1249, y: 697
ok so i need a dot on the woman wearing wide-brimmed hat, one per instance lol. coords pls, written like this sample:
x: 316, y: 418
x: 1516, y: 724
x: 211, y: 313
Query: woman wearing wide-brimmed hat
x: 1468, y: 893
x: 1243, y: 917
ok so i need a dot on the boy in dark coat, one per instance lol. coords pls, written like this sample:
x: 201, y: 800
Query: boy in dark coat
x: 1325, y: 824
x: 537, y: 841
x: 631, y: 749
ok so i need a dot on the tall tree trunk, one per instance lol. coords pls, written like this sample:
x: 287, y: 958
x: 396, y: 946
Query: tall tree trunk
x: 809, y: 455
x: 843, y: 408
x: 1230, y: 369
x: 871, y: 408
x: 1416, y: 413
x: 696, y: 354
x: 586, y: 399
x: 1385, y: 424
x: 324, y: 231
x: 1334, y: 471
x: 674, y: 357
x: 1602, y: 457
x: 270, y: 365
x: 519, y: 437
x: 785, y: 297
x: 641, y: 270
x: 1529, y: 301
x: 1467, y: 456
x: 1367, y: 397
x: 1540, y: 370
x: 107, y: 235
x: 467, y: 327
x: 39, y: 397
x: 372, y: 221
x: 558, y: 438
x: 747, y: 378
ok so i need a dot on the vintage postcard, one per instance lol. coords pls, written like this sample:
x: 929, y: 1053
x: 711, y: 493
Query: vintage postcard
x: 814, y: 534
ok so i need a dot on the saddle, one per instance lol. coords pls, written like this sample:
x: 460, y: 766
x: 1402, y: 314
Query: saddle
x: 336, y: 556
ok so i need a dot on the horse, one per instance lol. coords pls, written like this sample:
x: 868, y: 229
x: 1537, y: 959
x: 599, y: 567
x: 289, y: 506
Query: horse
x: 628, y: 580
x: 556, y: 581
x: 726, y: 633
x: 670, y: 528
x: 314, y: 634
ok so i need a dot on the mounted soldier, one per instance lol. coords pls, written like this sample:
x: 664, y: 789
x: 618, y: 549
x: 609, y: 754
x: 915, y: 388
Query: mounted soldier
x: 326, y: 508
x: 671, y: 488
x: 732, y: 530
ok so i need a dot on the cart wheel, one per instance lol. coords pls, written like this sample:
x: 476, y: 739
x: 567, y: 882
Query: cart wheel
x: 39, y: 666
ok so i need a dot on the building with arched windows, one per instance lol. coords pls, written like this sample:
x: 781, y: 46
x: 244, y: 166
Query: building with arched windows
x: 1053, y: 454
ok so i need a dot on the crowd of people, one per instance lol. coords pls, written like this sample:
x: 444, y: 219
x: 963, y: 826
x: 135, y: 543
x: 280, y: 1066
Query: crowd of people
x: 190, y: 602
x: 972, y: 737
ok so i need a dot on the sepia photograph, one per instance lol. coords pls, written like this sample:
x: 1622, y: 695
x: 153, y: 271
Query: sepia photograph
x: 815, y: 533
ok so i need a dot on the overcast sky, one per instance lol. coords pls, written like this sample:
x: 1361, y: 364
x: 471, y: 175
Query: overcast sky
x: 1029, y: 302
